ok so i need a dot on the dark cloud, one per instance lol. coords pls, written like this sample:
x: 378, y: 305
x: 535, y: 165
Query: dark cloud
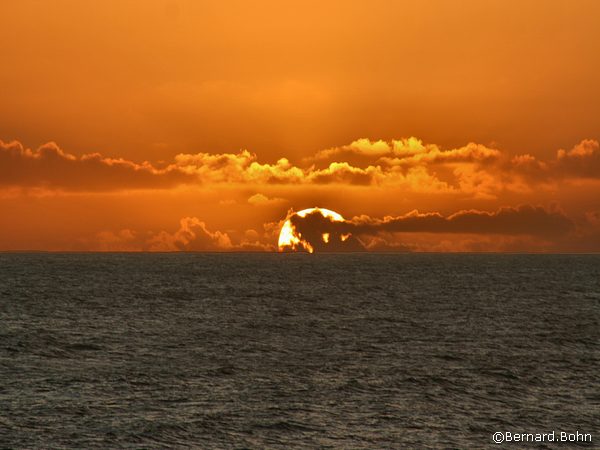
x: 52, y: 168
x: 323, y: 234
x: 581, y: 161
x: 524, y: 219
x: 365, y: 233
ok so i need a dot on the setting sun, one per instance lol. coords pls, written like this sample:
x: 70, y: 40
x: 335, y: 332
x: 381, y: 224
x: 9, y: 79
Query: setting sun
x: 292, y: 240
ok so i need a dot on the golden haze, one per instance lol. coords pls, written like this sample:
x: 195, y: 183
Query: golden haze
x: 170, y: 125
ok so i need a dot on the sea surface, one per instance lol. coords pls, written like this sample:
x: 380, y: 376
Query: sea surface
x: 372, y: 351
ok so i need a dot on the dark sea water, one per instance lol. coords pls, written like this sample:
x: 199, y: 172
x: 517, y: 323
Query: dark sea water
x: 296, y: 351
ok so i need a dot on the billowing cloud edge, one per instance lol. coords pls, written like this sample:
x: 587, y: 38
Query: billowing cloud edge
x: 472, y: 170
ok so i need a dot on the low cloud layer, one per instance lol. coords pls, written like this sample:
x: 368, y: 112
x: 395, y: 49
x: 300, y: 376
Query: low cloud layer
x: 522, y: 220
x: 193, y: 235
x: 365, y: 232
x: 523, y: 228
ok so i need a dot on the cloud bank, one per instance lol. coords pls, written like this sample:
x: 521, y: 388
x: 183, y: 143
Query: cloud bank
x: 364, y: 232
x: 513, y: 229
x: 193, y: 235
x: 473, y: 170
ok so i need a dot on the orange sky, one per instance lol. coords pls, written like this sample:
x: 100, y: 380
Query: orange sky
x: 170, y: 125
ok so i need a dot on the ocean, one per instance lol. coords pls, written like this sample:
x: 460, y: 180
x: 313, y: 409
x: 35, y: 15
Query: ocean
x: 365, y: 351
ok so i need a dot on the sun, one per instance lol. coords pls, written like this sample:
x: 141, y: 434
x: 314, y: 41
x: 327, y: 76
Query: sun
x: 289, y: 239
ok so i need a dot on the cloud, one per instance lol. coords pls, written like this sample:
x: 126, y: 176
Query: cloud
x: 344, y: 173
x: 367, y: 233
x: 319, y: 233
x: 194, y: 235
x: 362, y: 147
x: 241, y: 167
x: 407, y: 151
x: 523, y: 228
x: 524, y: 220
x: 473, y: 170
x: 582, y: 161
x: 52, y: 168
x: 262, y: 200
